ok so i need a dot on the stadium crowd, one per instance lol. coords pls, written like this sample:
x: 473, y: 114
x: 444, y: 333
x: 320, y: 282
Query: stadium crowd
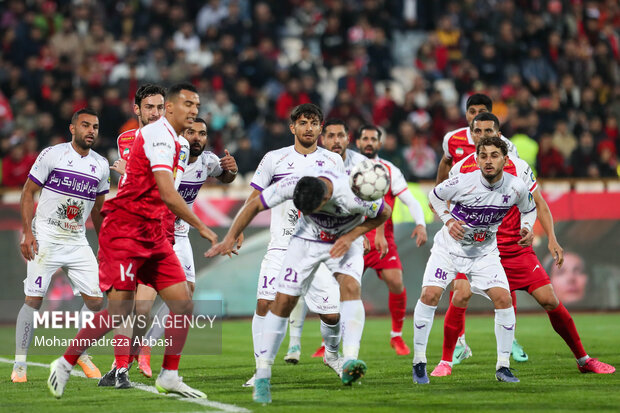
x: 550, y: 67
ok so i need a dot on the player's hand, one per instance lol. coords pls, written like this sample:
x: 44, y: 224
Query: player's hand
x: 119, y: 166
x: 341, y: 246
x: 455, y: 228
x: 240, y: 240
x: 226, y: 247
x: 29, y: 246
x: 419, y: 233
x: 228, y: 163
x: 207, y: 233
x: 381, y: 245
x: 366, y: 243
x: 557, y: 252
x: 527, y: 238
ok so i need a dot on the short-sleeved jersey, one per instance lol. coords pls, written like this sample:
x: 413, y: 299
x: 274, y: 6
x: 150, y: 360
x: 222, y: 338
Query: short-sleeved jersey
x: 481, y: 207
x: 70, y: 184
x: 196, y: 173
x: 156, y: 148
x: 124, y: 142
x: 458, y: 144
x: 279, y: 164
x: 343, y: 212
x: 509, y: 231
x: 352, y: 159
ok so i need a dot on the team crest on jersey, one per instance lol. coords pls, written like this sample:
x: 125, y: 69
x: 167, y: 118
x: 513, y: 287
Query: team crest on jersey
x: 199, y: 173
x: 126, y: 151
x: 293, y: 217
x: 73, y: 209
x: 182, y: 155
x: 320, y: 163
x: 459, y: 151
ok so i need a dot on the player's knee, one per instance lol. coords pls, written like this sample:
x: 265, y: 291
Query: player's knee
x: 330, y: 319
x: 34, y: 302
x: 461, y: 298
x: 430, y: 296
x: 185, y: 307
x: 95, y: 304
x: 549, y: 303
x: 262, y: 307
x: 143, y: 307
x: 503, y: 301
x: 350, y: 290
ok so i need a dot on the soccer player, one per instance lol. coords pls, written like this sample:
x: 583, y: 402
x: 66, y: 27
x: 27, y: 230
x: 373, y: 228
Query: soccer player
x: 383, y: 256
x: 467, y: 244
x: 133, y: 247
x: 202, y: 164
x: 305, y: 126
x: 335, y: 138
x: 523, y: 269
x: 458, y: 144
x: 73, y: 180
x: 329, y: 231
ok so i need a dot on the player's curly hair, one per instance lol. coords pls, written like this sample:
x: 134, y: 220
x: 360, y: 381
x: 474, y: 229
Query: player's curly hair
x: 309, y: 193
x: 492, y: 141
x: 308, y: 110
x: 146, y: 90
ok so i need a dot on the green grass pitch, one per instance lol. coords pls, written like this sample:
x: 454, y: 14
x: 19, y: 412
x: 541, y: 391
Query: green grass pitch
x: 550, y: 381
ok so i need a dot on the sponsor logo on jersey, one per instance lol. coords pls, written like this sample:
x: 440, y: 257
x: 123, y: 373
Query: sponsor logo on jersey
x: 72, y: 209
x: 480, y: 236
x: 126, y: 151
x: 459, y: 151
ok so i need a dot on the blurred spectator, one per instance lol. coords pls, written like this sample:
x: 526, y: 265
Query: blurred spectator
x: 393, y: 152
x: 550, y: 160
x: 17, y: 164
x: 220, y: 109
x: 608, y: 160
x: 420, y: 157
x: 334, y: 45
x: 246, y: 157
x: 211, y: 14
x: 289, y: 98
x: 537, y: 71
x: 563, y: 140
x: 583, y: 160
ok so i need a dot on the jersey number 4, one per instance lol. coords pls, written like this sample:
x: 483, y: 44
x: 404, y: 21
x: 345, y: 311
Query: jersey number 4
x: 126, y: 274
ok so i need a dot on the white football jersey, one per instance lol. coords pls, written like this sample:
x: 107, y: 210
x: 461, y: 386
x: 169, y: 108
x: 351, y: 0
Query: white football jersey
x: 353, y: 158
x: 195, y: 174
x: 514, y: 166
x: 481, y: 207
x: 70, y: 183
x: 512, y: 149
x: 279, y: 164
x: 343, y: 212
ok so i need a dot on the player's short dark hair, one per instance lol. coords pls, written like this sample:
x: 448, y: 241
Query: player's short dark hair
x: 308, y: 194
x: 480, y: 99
x: 82, y: 111
x: 201, y: 120
x: 369, y: 127
x: 174, y: 90
x: 146, y: 90
x: 335, y: 121
x: 308, y: 110
x: 486, y: 116
x: 492, y: 141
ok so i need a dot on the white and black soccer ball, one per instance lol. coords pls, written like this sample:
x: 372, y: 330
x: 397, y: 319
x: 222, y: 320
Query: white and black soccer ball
x: 369, y: 180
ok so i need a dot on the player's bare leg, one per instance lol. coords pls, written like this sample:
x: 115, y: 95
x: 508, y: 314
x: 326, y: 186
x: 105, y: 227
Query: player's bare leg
x: 393, y: 278
x: 564, y: 325
x: 504, y: 332
x: 423, y: 317
x: 178, y: 299
x: 353, y: 316
x: 145, y: 297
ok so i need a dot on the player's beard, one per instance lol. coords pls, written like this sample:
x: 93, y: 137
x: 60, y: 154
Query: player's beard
x: 492, y: 176
x: 80, y: 141
x: 370, y: 155
x: 196, y: 152
x: 303, y: 141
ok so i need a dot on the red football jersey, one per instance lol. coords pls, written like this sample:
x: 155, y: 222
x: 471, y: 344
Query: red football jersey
x: 125, y: 142
x: 458, y: 144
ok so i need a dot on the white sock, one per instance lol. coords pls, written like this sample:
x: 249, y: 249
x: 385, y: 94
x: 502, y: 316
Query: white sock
x: 65, y: 364
x: 582, y: 361
x: 274, y: 330
x: 24, y: 331
x: 331, y: 336
x: 296, y: 322
x: 257, y: 332
x: 504, y: 334
x: 157, y: 329
x: 423, y: 316
x: 352, y: 317
x: 461, y: 340
x: 169, y: 374
x: 396, y: 334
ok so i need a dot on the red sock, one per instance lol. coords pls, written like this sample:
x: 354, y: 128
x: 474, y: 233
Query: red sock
x: 453, y: 325
x: 513, y: 295
x: 176, y: 334
x: 398, y: 307
x: 564, y: 325
x: 135, y: 349
x: 122, y: 349
x: 102, y: 323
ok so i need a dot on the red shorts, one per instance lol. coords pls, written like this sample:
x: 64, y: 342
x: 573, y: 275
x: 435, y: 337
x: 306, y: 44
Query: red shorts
x: 390, y: 261
x: 133, y: 251
x: 524, y: 271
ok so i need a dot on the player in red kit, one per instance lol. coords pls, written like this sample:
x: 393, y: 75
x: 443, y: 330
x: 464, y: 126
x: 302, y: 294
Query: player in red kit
x: 133, y: 248
x: 383, y: 255
x: 523, y: 270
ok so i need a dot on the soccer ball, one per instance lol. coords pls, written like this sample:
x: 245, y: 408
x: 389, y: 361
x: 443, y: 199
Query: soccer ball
x: 369, y: 180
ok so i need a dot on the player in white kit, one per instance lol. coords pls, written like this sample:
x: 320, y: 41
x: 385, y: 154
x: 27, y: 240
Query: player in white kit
x: 202, y: 164
x: 328, y: 231
x: 467, y: 244
x: 73, y: 181
x: 305, y: 125
x: 335, y: 138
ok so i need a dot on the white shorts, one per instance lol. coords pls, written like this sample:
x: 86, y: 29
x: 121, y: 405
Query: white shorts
x: 78, y: 262
x: 300, y: 269
x: 183, y: 249
x: 484, y: 272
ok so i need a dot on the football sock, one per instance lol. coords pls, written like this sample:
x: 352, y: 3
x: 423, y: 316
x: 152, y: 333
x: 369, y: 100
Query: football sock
x: 422, y: 323
x: 158, y: 326
x: 564, y: 325
x: 513, y: 295
x: 274, y: 330
x: 122, y: 349
x: 176, y: 335
x: 352, y: 317
x: 452, y: 326
x: 397, y: 304
x: 84, y: 310
x: 331, y: 336
x: 24, y: 331
x: 504, y: 334
x: 296, y: 322
x: 102, y: 323
x: 257, y: 332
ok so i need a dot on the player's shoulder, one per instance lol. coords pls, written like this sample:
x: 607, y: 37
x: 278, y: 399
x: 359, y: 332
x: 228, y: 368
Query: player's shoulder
x: 98, y: 157
x: 355, y: 156
x: 127, y: 136
x: 456, y: 134
x: 208, y: 157
x: 466, y: 165
x: 334, y: 157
